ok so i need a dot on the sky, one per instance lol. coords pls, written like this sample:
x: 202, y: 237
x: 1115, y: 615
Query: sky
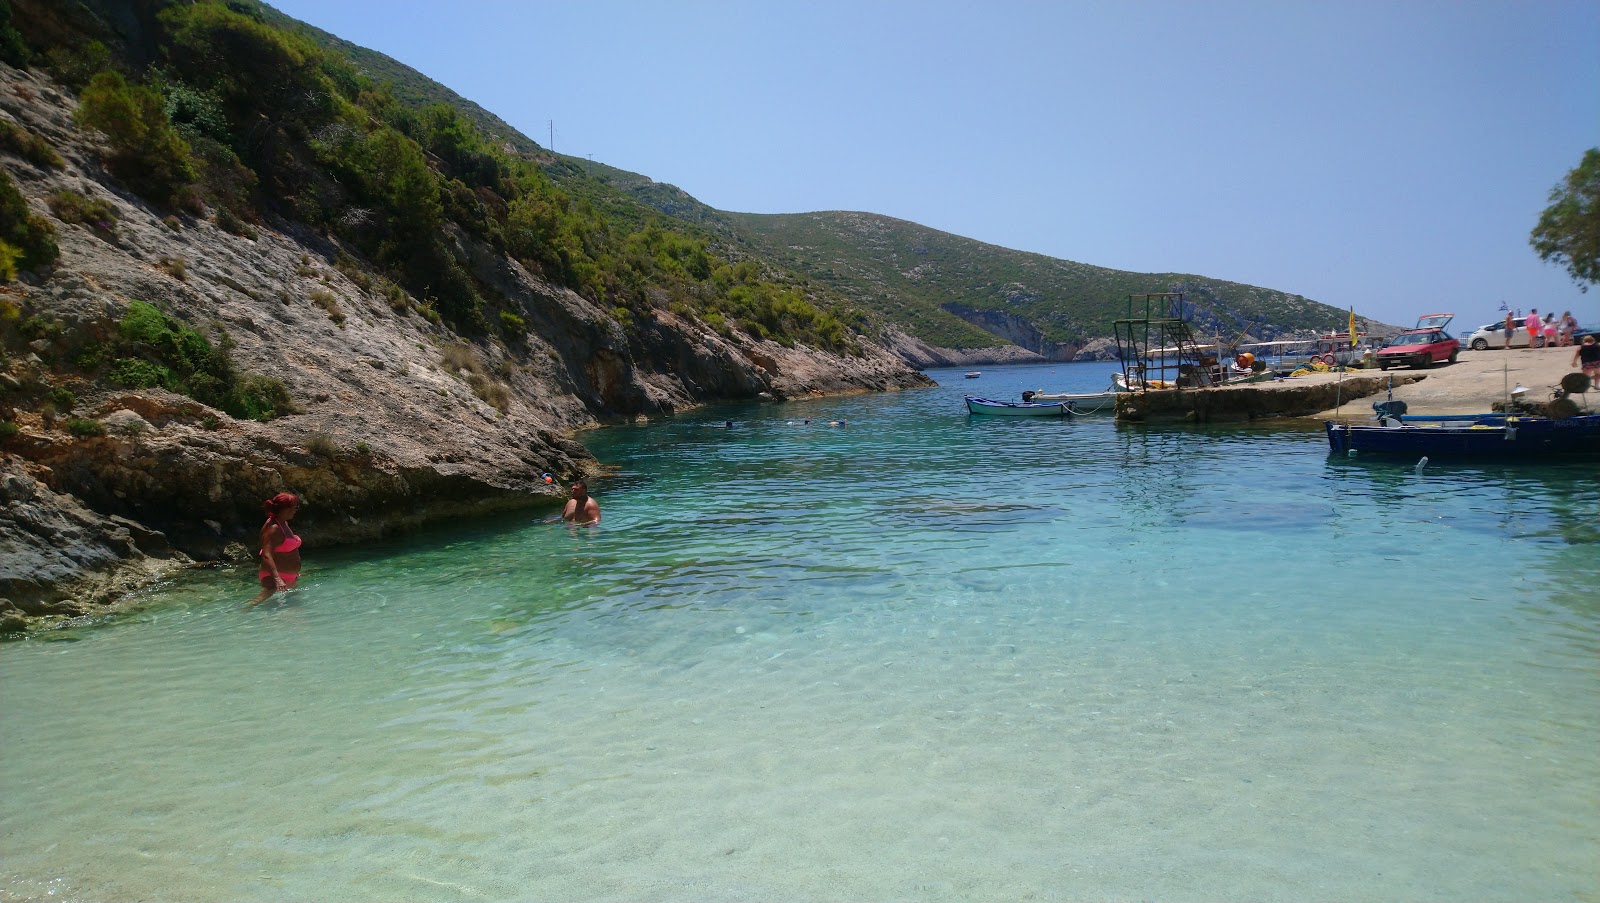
x: 1387, y: 156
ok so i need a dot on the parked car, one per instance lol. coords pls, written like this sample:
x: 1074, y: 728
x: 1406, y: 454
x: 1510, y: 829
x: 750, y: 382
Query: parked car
x: 1424, y: 345
x: 1494, y: 336
x: 1592, y: 329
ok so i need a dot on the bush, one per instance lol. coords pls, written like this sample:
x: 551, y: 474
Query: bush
x: 135, y: 373
x: 329, y: 302
x: 8, y: 429
x: 83, y: 427
x: 263, y: 398
x: 512, y: 326
x: 63, y: 398
x: 156, y: 351
x: 29, y: 239
x: 28, y: 146
x: 230, y: 222
x: 146, y: 151
x: 9, y: 255
x: 13, y: 49
x: 77, y: 208
x: 322, y: 444
x: 76, y: 64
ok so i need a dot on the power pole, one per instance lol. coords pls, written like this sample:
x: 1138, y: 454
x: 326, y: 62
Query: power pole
x: 552, y: 136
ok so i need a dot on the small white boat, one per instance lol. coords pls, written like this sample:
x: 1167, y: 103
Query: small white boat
x: 1018, y: 409
x: 1082, y: 402
x: 974, y: 374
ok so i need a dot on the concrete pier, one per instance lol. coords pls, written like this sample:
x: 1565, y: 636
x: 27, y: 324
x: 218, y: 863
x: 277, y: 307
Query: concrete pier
x: 1299, y: 397
x: 1472, y: 385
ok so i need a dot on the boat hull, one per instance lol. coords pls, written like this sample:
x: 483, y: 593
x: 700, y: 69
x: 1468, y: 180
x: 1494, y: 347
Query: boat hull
x: 1017, y: 408
x: 1516, y: 437
x: 1083, y: 397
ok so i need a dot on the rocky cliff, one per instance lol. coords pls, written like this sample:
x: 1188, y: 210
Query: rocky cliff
x: 396, y: 420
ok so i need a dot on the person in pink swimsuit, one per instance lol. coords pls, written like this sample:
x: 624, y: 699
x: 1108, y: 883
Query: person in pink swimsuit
x: 280, y: 548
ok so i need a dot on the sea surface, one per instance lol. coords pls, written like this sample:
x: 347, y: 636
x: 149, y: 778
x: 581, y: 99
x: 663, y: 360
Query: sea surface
x: 917, y: 655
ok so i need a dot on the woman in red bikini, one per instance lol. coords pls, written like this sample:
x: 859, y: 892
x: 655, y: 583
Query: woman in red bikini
x: 280, y: 548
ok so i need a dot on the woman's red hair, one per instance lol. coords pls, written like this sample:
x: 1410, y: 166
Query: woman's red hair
x: 281, y: 501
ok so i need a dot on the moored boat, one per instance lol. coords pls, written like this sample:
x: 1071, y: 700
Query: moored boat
x: 974, y: 374
x: 1486, y: 436
x: 1018, y: 409
x: 1081, y: 402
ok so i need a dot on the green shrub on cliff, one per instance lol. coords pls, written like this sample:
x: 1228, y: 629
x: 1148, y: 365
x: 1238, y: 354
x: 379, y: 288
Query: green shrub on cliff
x: 84, y: 427
x: 146, y: 151
x: 27, y: 240
x: 77, y: 208
x: 13, y: 49
x: 154, y: 350
x: 28, y: 146
x: 260, y: 121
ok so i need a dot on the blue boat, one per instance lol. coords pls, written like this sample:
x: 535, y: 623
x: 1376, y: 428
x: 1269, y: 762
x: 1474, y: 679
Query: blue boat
x: 1018, y: 408
x: 1487, y: 436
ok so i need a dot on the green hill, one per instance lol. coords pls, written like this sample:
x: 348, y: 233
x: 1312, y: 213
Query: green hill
x: 863, y: 269
x: 935, y: 283
x: 944, y: 289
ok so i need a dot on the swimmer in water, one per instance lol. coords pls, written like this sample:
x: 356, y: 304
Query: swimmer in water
x: 581, y: 510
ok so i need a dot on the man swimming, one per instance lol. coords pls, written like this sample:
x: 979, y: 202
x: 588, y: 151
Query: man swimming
x: 581, y: 510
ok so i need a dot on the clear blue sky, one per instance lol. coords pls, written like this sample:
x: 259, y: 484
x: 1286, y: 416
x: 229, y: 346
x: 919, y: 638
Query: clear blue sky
x: 1390, y: 156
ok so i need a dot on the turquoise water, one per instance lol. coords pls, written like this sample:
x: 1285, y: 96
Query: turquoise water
x: 920, y: 656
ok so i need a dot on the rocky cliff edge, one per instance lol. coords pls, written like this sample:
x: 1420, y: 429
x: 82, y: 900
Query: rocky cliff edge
x: 398, y: 421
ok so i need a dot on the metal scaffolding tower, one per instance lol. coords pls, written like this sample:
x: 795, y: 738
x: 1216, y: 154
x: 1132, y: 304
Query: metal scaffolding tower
x: 1156, y: 348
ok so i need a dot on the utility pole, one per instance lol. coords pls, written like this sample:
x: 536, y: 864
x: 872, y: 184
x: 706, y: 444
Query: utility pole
x: 552, y: 136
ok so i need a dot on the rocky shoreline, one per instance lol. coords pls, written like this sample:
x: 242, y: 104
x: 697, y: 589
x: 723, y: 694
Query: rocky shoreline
x: 394, y: 420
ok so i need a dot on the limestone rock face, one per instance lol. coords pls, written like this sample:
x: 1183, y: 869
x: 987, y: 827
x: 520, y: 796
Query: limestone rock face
x: 57, y: 555
x: 398, y: 420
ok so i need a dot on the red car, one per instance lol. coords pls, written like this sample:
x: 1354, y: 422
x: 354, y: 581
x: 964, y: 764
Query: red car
x: 1424, y: 345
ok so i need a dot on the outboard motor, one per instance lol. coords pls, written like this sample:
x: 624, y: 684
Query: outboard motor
x: 1027, y: 395
x: 1392, y: 408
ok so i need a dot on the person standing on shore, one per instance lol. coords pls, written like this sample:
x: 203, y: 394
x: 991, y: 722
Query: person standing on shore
x: 1550, y: 329
x: 581, y: 510
x: 1568, y: 324
x: 280, y: 548
x: 1588, y: 354
x: 1535, y: 328
x: 1511, y: 328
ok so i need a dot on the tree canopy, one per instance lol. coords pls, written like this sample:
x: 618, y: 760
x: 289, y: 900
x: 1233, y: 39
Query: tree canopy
x: 1568, y: 232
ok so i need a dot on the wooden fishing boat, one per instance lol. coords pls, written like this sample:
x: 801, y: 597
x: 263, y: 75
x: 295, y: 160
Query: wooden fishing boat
x: 1516, y: 437
x: 1018, y: 409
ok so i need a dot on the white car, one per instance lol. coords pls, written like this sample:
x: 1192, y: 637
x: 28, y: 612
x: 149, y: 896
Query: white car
x: 1494, y: 336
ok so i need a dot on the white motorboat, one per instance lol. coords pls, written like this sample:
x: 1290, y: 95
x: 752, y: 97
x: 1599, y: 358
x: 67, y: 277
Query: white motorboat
x: 1082, y: 402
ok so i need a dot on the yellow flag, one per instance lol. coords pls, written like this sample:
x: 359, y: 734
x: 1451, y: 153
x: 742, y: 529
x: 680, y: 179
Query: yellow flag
x: 1352, y: 327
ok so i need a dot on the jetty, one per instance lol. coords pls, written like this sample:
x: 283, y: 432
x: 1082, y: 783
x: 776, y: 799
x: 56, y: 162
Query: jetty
x: 1475, y: 382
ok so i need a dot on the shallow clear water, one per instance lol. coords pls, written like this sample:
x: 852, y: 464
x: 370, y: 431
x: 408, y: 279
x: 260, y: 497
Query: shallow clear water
x: 920, y: 656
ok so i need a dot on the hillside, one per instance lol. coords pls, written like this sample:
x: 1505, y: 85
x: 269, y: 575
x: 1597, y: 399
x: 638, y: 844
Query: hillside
x: 251, y: 269
x: 923, y: 278
x: 942, y: 290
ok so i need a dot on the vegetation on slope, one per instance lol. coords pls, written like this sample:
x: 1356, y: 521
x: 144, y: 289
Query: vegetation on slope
x: 925, y: 273
x: 265, y: 116
x: 221, y: 108
x: 865, y: 258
